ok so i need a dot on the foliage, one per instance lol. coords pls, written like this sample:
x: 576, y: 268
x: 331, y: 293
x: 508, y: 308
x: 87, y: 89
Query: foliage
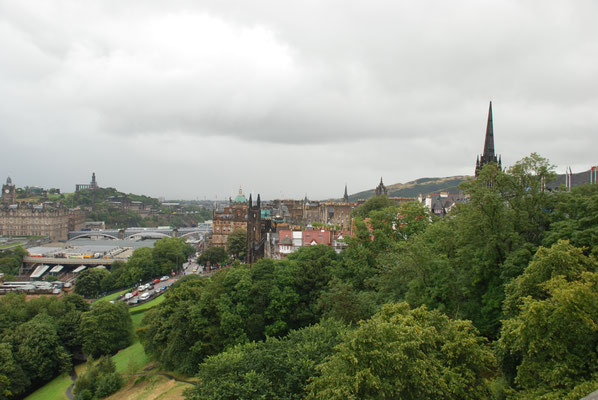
x: 106, y: 328
x: 89, y: 282
x: 100, y: 379
x: 555, y: 338
x: 11, y: 260
x: 213, y: 255
x: 169, y: 254
x: 272, y: 369
x: 403, y: 353
x: 562, y: 259
x: 200, y: 318
x: 37, y: 350
x: 373, y: 203
x: 236, y: 243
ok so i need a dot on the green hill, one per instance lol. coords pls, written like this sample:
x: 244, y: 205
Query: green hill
x: 414, y: 188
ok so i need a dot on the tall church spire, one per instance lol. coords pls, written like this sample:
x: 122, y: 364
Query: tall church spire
x: 346, y: 195
x: 488, y: 156
x: 489, y: 142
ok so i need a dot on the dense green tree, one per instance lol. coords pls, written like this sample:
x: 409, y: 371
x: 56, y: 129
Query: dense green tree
x: 576, y: 219
x: 13, y: 380
x: 236, y: 243
x: 406, y: 354
x: 106, y: 328
x: 272, y: 369
x: 373, y: 203
x: 562, y: 259
x: 555, y: 338
x: 169, y: 254
x: 213, y: 255
x: 11, y: 260
x: 99, y: 380
x: 89, y: 282
x: 37, y: 350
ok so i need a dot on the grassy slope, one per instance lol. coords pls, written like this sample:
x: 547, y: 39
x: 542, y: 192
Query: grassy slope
x: 55, y: 389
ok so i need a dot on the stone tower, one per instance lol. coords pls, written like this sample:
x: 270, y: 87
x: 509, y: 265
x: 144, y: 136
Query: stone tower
x: 488, y: 156
x: 381, y: 189
x: 9, y: 194
x: 346, y: 195
x: 255, y: 245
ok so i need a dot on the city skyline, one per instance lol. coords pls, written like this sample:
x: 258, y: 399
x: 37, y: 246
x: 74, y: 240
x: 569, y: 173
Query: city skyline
x: 192, y: 100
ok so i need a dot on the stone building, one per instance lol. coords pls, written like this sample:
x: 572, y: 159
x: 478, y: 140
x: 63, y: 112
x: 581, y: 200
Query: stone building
x: 228, y: 218
x: 35, y: 220
x: 46, y: 219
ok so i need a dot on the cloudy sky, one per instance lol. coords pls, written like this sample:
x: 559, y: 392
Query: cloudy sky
x: 191, y: 99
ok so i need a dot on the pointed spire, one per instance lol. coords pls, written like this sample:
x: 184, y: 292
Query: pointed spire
x: 346, y: 195
x: 489, y: 142
x: 258, y: 200
x: 250, y: 201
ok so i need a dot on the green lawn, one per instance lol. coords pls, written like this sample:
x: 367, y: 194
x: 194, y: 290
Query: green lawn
x: 131, y: 359
x: 55, y: 390
x: 149, y: 304
x: 109, y: 297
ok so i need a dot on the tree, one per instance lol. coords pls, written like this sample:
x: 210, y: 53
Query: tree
x: 373, y: 203
x: 13, y: 380
x: 89, y: 282
x: 236, y: 243
x: 37, y: 350
x: 213, y: 255
x: 410, y: 354
x: 555, y: 338
x: 169, y: 254
x: 562, y: 259
x: 272, y: 369
x: 106, y: 328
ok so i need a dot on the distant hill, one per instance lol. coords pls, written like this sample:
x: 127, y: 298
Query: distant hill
x: 414, y: 188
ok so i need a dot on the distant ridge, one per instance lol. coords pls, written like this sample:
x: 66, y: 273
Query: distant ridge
x: 419, y: 186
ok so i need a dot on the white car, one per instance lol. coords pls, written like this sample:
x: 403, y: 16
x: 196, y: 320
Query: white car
x: 144, y: 296
x: 128, y: 296
x: 164, y: 278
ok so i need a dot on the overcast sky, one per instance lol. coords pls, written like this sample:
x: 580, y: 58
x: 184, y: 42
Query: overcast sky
x: 192, y: 99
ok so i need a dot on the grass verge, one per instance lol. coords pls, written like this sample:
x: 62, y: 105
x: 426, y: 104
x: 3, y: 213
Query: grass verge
x: 55, y: 389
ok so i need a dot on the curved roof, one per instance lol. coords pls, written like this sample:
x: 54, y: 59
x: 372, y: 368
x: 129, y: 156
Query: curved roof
x: 240, y: 197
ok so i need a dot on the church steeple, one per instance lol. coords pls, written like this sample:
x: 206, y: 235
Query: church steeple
x: 489, y: 142
x: 488, y: 156
x: 381, y: 189
x: 346, y: 195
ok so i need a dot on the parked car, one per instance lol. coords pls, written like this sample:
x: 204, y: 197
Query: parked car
x: 144, y: 296
x: 164, y: 288
x: 133, y: 301
x: 164, y: 278
x: 135, y: 293
x: 128, y: 296
x: 156, y: 280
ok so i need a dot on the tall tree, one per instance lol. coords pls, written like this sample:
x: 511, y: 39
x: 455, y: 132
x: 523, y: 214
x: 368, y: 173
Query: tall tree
x: 411, y: 354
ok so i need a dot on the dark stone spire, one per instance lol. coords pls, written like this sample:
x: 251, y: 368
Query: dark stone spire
x: 250, y: 201
x: 258, y: 200
x: 488, y: 156
x: 346, y: 195
x: 381, y: 189
x: 489, y: 142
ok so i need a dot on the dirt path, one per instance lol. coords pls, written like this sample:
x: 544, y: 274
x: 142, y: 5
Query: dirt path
x: 164, y: 374
x: 69, y: 391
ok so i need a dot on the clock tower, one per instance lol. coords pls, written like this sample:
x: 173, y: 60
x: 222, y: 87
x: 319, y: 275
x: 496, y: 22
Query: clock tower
x: 9, y: 195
